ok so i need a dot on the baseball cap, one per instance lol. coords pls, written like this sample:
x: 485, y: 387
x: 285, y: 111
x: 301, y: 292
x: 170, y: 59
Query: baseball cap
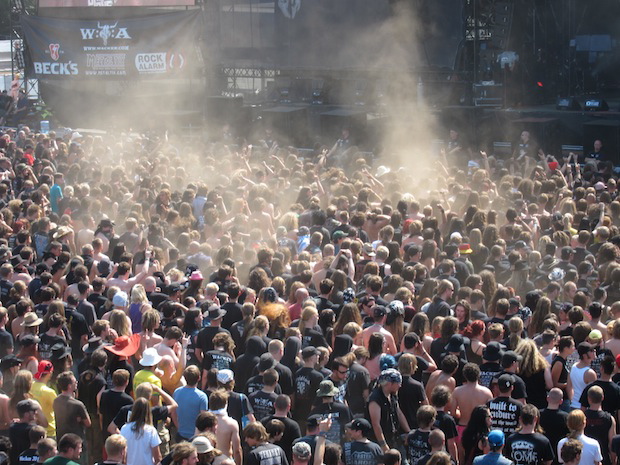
x: 360, y: 424
x: 45, y: 366
x: 25, y: 406
x: 505, y: 381
x: 584, y: 348
x: 225, y: 376
x: 509, y: 357
x: 378, y: 311
x: 313, y: 421
x: 266, y: 362
x: 595, y: 335
x: 309, y: 352
x: 496, y: 438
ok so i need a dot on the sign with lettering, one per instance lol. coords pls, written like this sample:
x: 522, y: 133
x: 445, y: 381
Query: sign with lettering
x: 161, y: 45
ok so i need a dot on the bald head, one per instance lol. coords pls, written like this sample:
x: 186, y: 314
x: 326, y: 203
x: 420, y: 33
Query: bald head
x: 301, y: 294
x: 555, y: 397
x: 194, y: 247
x: 150, y: 284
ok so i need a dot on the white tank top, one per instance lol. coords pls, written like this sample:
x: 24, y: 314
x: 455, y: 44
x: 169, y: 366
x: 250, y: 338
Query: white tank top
x: 576, y: 378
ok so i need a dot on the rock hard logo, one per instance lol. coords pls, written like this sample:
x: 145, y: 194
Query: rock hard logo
x: 54, y: 51
x: 105, y: 32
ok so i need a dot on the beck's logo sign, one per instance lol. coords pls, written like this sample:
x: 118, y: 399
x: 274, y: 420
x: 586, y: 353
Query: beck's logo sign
x: 105, y: 32
x: 54, y: 51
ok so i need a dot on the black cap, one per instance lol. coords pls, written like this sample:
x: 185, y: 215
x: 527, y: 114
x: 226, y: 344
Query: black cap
x: 493, y: 351
x: 313, y: 421
x: 9, y: 361
x: 510, y: 357
x: 455, y: 344
x: 505, y: 381
x: 360, y: 424
x: 309, y: 352
x: 266, y: 362
x: 514, y: 302
x: 584, y: 348
x: 379, y: 311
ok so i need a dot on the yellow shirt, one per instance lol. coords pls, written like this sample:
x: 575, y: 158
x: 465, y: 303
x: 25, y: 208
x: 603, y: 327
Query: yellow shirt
x: 145, y: 376
x: 45, y: 396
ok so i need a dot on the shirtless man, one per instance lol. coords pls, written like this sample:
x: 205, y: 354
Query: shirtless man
x: 379, y: 316
x: 466, y: 397
x: 173, y: 373
x: 171, y: 345
x: 445, y: 377
x: 228, y: 440
x: 87, y: 233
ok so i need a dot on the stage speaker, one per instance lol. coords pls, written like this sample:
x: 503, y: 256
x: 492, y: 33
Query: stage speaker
x: 568, y: 103
x: 596, y: 104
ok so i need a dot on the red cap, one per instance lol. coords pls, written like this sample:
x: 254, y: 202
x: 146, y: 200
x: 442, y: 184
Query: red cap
x: 45, y: 367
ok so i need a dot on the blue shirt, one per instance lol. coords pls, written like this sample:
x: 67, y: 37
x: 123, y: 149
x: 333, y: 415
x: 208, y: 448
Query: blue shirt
x: 492, y: 458
x: 191, y: 402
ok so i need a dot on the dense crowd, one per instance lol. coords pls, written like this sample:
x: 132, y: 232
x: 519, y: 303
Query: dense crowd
x: 175, y: 301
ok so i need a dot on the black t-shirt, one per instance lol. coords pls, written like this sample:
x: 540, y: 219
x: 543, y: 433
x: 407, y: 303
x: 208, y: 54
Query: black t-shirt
x: 256, y: 383
x: 159, y: 413
x: 307, y: 382
x: 311, y: 441
x: 285, y: 380
x: 519, y: 391
x: 340, y: 417
x: 361, y: 453
x: 233, y: 314
x: 91, y: 382
x: 313, y: 337
x: 263, y: 404
x: 46, y: 343
x: 424, y: 460
x: 291, y: 433
x: 528, y: 449
x: 205, y: 337
x: 217, y: 359
x: 598, y: 424
x: 417, y: 445
x: 98, y: 302
x: 77, y: 328
x: 488, y: 371
x: 413, y: 392
x: 445, y: 422
x: 6, y: 343
x: 505, y: 412
x: 110, y: 404
x: 238, y: 407
x: 18, y: 434
x: 553, y: 422
x: 611, y: 392
x: 28, y: 457
x: 357, y: 382
x: 266, y: 454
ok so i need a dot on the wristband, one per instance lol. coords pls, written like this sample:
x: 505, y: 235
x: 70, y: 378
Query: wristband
x: 323, y: 434
x: 382, y: 443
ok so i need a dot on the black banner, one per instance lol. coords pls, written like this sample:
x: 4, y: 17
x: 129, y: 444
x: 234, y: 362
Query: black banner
x: 161, y: 45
